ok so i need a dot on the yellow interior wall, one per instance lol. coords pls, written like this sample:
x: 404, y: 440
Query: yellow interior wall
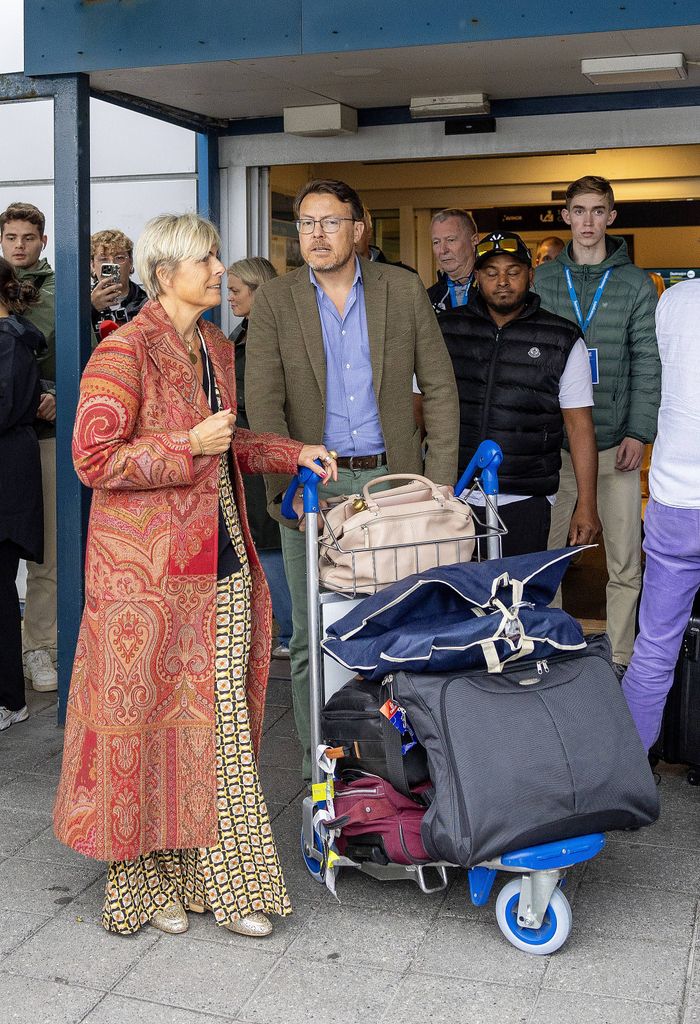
x: 415, y: 188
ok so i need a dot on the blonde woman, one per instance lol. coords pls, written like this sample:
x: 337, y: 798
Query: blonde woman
x: 165, y: 711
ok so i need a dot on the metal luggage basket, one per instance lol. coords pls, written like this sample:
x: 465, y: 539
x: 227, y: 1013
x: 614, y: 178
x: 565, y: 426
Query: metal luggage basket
x: 532, y: 912
x: 414, y: 556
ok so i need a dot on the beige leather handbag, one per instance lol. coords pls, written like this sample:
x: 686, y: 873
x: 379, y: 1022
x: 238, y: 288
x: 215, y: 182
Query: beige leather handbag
x: 371, y: 541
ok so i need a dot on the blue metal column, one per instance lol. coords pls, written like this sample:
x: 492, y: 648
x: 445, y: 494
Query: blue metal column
x: 208, y: 192
x: 73, y: 333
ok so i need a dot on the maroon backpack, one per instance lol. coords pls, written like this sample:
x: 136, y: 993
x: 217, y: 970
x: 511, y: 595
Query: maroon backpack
x: 378, y: 823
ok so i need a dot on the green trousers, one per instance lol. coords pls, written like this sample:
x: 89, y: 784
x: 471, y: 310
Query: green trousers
x: 350, y: 481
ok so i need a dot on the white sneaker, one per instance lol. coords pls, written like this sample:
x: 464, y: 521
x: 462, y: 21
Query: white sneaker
x: 40, y: 671
x: 8, y: 718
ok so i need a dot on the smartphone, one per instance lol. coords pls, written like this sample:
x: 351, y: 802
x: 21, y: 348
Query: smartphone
x: 111, y: 270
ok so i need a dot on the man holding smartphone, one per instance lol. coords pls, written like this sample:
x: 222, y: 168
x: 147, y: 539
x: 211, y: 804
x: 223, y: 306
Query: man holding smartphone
x: 114, y: 295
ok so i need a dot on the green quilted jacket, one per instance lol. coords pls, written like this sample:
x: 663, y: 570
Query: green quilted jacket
x: 627, y: 397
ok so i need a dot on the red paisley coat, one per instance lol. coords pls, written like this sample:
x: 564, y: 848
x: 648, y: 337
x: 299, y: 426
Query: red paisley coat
x: 139, y: 764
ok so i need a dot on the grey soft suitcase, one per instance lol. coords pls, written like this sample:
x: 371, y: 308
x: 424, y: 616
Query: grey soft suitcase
x: 534, y: 754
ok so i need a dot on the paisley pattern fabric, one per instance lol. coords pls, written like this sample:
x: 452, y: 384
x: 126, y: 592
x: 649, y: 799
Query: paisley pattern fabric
x: 139, y: 753
x: 241, y: 873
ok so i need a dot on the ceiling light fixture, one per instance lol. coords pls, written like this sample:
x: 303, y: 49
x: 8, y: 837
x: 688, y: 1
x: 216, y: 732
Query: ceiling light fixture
x: 648, y: 67
x: 450, y: 106
x: 325, y: 119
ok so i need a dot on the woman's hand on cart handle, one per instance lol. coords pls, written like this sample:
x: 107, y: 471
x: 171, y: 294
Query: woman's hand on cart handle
x: 298, y: 504
x: 317, y: 458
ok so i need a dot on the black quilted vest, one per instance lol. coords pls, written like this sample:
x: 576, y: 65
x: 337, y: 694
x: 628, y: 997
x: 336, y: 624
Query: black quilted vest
x: 508, y: 383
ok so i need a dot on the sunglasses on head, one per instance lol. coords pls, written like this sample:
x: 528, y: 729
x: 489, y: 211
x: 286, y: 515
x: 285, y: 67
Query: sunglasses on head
x: 497, y: 245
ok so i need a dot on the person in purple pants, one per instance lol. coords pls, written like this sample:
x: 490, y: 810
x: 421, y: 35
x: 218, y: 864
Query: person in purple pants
x: 672, y: 522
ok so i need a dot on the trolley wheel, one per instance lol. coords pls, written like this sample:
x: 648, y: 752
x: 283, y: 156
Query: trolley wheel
x: 552, y: 933
x: 693, y: 777
x: 313, y: 866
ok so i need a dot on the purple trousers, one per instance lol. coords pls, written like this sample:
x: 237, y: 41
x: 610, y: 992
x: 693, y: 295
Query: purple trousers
x: 671, y: 580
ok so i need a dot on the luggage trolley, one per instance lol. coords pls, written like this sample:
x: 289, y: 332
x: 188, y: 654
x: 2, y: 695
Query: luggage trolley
x: 531, y: 910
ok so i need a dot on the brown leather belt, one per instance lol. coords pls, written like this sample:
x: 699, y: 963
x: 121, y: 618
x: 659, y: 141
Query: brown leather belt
x: 361, y: 461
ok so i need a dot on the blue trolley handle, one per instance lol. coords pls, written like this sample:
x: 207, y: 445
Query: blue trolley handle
x: 310, y: 482
x: 484, y: 466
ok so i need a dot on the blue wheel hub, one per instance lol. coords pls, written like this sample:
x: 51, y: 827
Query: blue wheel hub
x: 533, y: 936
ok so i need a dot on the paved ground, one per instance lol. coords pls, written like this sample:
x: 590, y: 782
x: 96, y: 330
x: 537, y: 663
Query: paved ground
x: 384, y: 955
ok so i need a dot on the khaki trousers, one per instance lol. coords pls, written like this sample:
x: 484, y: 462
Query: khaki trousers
x: 40, y: 605
x: 620, y: 511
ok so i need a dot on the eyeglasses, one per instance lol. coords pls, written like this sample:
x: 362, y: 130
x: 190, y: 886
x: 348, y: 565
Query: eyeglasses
x: 329, y: 225
x: 497, y: 245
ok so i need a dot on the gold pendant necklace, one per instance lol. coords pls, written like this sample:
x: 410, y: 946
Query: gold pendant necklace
x: 190, y: 351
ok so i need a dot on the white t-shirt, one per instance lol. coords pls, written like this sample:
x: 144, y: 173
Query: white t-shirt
x: 575, y: 392
x: 674, y: 478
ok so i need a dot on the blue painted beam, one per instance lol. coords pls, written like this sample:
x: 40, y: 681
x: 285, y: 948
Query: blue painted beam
x: 208, y: 192
x: 370, y: 117
x: 73, y: 333
x: 87, y: 35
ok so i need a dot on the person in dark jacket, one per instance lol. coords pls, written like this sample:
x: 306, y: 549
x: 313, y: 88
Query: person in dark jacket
x: 111, y: 298
x: 21, y: 508
x: 453, y: 235
x: 523, y: 375
x: 244, y: 278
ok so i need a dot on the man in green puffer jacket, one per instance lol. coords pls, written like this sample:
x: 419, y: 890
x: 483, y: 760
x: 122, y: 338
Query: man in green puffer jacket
x: 594, y: 282
x: 22, y: 240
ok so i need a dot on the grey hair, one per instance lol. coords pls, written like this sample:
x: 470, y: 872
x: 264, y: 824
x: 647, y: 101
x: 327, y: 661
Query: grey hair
x: 253, y: 271
x: 169, y: 239
x: 466, y: 218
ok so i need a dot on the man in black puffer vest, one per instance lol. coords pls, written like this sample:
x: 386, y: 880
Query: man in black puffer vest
x: 523, y: 374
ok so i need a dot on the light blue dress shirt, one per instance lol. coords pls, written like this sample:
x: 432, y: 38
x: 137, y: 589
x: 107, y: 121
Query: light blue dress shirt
x: 352, y: 418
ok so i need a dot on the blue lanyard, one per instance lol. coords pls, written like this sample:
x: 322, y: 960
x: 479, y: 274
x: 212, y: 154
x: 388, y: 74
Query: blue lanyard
x: 453, y: 292
x: 585, y: 324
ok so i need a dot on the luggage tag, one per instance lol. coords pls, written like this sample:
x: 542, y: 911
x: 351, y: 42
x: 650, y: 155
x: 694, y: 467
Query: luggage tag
x: 398, y: 718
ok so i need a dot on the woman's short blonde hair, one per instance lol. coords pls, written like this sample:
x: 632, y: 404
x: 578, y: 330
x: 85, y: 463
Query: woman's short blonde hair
x: 169, y: 239
x: 254, y: 271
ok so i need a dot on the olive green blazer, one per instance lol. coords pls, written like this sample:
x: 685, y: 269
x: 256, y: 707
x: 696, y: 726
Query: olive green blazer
x: 285, y: 378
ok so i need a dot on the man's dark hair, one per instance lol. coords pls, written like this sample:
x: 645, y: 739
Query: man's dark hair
x: 23, y: 211
x: 331, y: 187
x: 590, y: 183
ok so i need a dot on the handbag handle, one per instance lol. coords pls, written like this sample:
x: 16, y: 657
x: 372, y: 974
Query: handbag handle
x: 436, y: 493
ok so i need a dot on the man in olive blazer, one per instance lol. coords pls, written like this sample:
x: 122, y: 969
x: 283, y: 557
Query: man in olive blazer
x: 333, y: 348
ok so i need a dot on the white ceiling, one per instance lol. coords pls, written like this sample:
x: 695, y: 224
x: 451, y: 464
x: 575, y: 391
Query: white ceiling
x: 504, y: 69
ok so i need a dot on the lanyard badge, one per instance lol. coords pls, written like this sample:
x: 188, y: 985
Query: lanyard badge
x: 585, y: 324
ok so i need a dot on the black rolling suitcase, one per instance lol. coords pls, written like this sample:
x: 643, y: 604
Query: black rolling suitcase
x: 680, y: 732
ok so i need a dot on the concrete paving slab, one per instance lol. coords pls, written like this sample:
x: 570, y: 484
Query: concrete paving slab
x: 618, y: 911
x: 79, y: 954
x: 194, y: 975
x: 297, y: 992
x: 637, y: 864
x: 16, y: 926
x: 118, y: 1010
x: 555, y: 1007
x: 19, y: 827
x: 41, y: 888
x: 279, y: 692
x: 285, y: 783
x: 272, y: 716
x: 280, y: 750
x: 463, y: 949
x: 349, y: 935
x: 284, y: 724
x: 625, y: 968
x: 46, y: 847
x: 437, y: 1000
x: 43, y: 1002
x: 29, y: 790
